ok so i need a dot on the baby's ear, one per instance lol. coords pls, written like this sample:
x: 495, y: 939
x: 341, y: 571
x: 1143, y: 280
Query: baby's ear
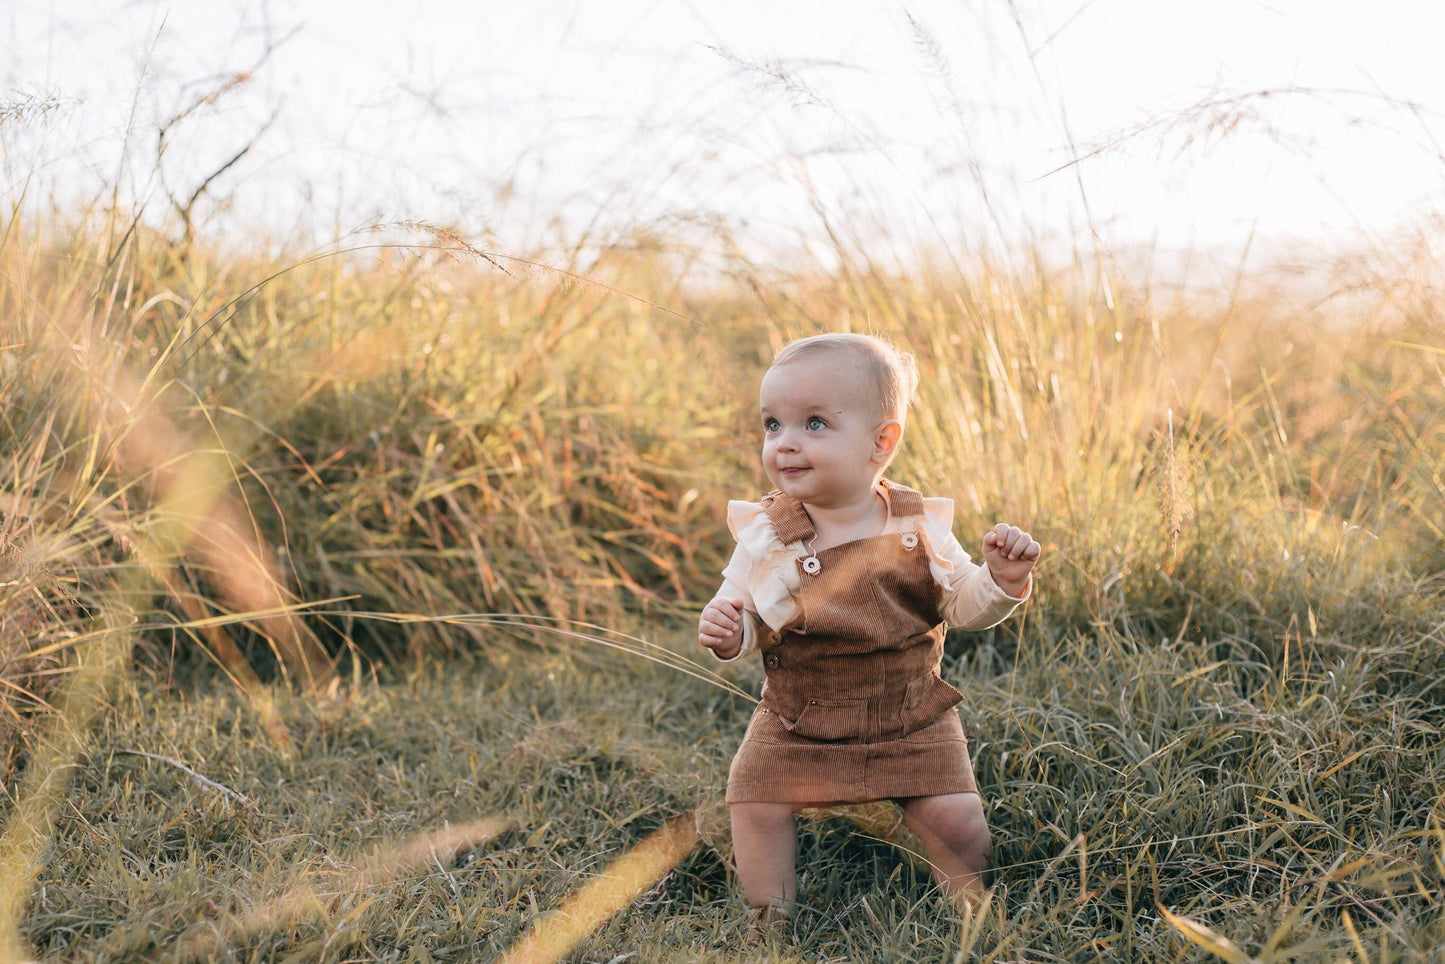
x: 886, y: 439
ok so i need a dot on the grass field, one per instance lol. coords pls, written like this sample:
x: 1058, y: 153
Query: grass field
x: 358, y: 537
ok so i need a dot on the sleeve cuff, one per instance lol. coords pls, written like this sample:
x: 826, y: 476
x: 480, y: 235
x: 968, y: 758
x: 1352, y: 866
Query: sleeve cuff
x: 1028, y: 587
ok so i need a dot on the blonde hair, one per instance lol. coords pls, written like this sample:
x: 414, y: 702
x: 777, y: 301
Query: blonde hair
x: 892, y: 372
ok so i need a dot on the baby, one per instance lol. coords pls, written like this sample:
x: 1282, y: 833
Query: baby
x: 845, y: 581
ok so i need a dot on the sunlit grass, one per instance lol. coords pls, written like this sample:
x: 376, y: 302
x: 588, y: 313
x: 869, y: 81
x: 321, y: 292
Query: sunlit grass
x: 553, y: 937
x: 1216, y: 728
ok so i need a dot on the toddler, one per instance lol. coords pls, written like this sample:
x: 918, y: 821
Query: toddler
x: 845, y: 581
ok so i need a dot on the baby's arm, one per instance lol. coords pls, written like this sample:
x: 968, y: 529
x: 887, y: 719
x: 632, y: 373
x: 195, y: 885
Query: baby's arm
x: 720, y: 628
x: 728, y: 625
x: 979, y: 597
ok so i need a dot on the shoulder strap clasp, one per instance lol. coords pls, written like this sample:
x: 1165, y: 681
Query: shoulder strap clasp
x: 788, y: 516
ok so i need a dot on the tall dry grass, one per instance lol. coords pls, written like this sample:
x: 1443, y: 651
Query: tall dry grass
x: 424, y: 428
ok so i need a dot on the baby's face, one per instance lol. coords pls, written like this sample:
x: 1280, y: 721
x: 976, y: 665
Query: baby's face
x: 821, y: 417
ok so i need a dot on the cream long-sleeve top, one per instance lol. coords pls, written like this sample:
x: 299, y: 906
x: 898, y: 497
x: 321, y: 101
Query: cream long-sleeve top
x: 763, y: 571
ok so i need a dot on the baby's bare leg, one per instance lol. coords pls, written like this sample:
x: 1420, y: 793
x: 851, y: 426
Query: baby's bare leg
x: 955, y: 837
x: 765, y: 844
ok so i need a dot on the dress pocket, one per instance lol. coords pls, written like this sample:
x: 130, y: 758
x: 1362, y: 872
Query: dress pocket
x: 925, y: 699
x: 831, y: 720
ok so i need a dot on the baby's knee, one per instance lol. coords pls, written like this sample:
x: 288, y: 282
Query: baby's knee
x: 762, y: 817
x: 977, y: 843
x: 968, y: 837
x: 957, y: 823
x: 764, y: 833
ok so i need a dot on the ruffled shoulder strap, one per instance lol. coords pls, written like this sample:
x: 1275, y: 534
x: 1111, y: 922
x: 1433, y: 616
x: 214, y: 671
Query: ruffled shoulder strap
x: 788, y: 517
x: 903, y: 501
x: 763, y: 564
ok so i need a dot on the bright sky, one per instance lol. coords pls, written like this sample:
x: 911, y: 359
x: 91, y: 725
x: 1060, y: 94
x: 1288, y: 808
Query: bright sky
x: 932, y: 122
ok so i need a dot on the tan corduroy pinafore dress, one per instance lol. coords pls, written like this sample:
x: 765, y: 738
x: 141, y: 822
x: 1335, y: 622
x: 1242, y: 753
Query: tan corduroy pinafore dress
x: 853, y: 708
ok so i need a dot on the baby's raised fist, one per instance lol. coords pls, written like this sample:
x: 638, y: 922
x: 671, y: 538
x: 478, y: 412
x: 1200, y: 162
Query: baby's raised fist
x: 1011, y: 542
x: 1010, y: 554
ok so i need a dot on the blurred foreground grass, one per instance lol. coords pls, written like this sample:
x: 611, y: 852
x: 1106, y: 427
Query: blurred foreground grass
x: 1224, y: 702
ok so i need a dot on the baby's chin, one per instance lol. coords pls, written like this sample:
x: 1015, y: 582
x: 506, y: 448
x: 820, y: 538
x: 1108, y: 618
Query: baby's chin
x: 797, y: 483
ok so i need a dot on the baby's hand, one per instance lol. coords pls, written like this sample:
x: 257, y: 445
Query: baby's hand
x: 1010, y: 554
x: 720, y: 628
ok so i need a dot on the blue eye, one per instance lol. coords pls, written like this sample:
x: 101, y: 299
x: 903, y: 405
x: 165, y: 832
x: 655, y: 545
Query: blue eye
x: 816, y: 424
x: 771, y: 424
